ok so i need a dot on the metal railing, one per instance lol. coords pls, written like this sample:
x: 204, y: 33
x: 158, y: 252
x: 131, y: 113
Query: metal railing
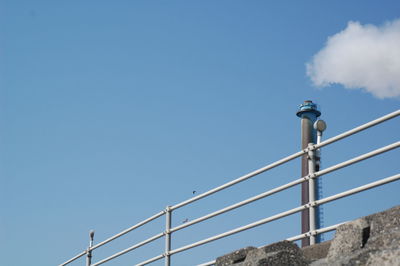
x: 310, y: 205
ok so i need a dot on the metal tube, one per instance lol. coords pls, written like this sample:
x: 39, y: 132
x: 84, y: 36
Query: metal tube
x: 358, y: 159
x: 207, y: 263
x: 129, y: 229
x: 151, y: 260
x: 239, y: 229
x: 289, y: 158
x: 320, y: 126
x: 311, y: 191
x: 239, y: 204
x: 318, y: 231
x: 293, y: 183
x: 240, y: 179
x: 130, y: 249
x: 88, y: 257
x: 261, y: 170
x: 358, y: 129
x: 358, y: 189
x: 286, y: 213
x: 288, y: 185
x: 74, y: 258
x: 168, y: 217
x: 294, y: 238
x: 89, y: 251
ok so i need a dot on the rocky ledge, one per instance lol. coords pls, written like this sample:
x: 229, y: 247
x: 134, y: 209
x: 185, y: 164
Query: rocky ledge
x: 370, y: 240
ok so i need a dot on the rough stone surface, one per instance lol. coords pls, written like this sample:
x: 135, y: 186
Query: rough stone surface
x: 348, y: 238
x: 234, y: 258
x: 371, y: 240
x: 367, y: 241
x: 281, y: 253
x: 317, y: 251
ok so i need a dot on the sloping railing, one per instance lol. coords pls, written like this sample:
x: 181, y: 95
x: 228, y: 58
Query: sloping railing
x: 168, y: 211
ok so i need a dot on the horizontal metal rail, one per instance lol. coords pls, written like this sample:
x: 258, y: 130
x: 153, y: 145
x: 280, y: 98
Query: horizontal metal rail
x: 74, y: 258
x: 116, y: 236
x: 239, y: 204
x: 358, y: 159
x: 289, y: 185
x: 240, y: 229
x: 156, y: 258
x: 294, y: 238
x: 287, y: 213
x: 289, y: 158
x: 315, y: 232
x: 240, y: 179
x: 234, y: 206
x: 358, y: 129
x: 151, y: 239
x: 357, y: 190
x: 252, y: 199
x: 155, y: 216
x: 210, y: 263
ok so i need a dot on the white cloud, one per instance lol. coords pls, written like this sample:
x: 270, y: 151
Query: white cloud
x: 361, y: 57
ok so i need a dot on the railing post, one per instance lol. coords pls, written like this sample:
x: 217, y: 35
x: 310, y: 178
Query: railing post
x: 89, y: 250
x: 311, y: 191
x: 320, y: 127
x: 168, y: 218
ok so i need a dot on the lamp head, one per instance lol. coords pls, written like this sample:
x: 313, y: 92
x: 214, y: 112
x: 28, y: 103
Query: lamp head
x: 320, y: 125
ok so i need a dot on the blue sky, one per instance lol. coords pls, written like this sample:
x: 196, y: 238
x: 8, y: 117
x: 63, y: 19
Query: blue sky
x: 111, y: 110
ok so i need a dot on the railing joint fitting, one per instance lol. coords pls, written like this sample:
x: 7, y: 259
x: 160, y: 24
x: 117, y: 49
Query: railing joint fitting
x: 311, y: 147
x: 166, y: 254
x: 313, y: 175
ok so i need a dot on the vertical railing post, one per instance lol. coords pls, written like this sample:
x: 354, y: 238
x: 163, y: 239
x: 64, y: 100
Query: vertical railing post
x: 320, y: 127
x: 168, y: 218
x: 312, y: 191
x: 89, y: 250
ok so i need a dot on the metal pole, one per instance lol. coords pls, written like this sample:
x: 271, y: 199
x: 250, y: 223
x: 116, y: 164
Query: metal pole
x: 308, y: 113
x: 89, y: 250
x: 144, y: 242
x: 319, y: 126
x: 311, y: 190
x: 168, y: 218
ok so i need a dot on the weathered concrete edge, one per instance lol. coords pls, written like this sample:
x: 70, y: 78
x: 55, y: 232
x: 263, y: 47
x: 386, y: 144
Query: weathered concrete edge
x: 366, y: 239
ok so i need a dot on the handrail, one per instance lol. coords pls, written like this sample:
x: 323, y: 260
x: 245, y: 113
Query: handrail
x: 155, y: 216
x: 315, y: 232
x: 310, y: 205
x: 290, y: 157
x: 357, y: 129
x: 151, y: 260
x: 289, y: 185
x: 74, y: 258
x: 240, y: 179
x: 151, y: 239
x: 289, y: 212
x: 294, y: 238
